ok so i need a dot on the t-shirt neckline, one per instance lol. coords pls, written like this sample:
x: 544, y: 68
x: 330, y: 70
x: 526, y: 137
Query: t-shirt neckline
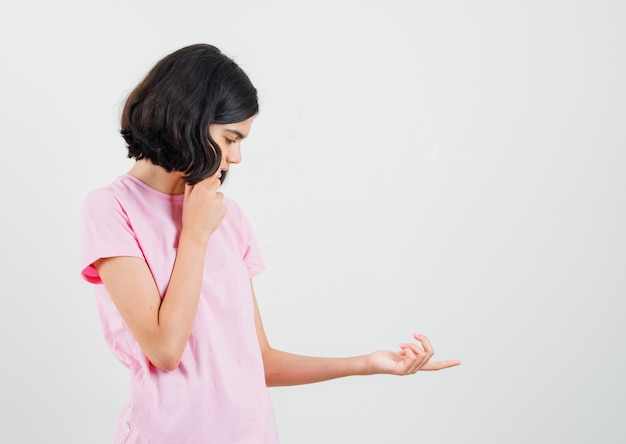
x: 147, y: 188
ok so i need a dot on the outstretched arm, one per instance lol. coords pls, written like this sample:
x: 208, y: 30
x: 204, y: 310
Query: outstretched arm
x: 282, y: 368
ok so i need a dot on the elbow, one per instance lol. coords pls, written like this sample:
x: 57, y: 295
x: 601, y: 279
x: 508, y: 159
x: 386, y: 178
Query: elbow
x: 271, y: 368
x: 166, y: 360
x: 167, y: 365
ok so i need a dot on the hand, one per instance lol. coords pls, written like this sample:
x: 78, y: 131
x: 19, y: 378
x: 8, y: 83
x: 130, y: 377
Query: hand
x: 203, y: 207
x: 411, y: 358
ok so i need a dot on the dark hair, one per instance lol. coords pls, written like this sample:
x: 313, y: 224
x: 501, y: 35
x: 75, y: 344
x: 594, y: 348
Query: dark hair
x: 167, y: 116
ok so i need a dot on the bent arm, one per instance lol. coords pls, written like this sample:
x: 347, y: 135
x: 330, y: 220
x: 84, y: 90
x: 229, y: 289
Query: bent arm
x: 160, y: 326
x: 282, y: 368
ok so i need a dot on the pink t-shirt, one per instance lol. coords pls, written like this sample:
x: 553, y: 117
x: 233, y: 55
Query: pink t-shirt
x: 218, y: 393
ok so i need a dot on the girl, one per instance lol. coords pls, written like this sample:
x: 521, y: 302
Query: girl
x: 173, y: 260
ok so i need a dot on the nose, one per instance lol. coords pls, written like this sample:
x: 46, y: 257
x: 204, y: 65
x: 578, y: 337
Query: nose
x: 234, y: 153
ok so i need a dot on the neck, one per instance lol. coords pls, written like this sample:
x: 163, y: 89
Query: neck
x: 156, y: 177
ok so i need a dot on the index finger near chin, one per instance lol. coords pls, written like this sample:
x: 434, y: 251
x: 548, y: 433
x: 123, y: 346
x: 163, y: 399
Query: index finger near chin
x: 209, y: 183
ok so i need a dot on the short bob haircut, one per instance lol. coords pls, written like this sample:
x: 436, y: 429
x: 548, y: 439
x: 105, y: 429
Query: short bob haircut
x: 166, y: 117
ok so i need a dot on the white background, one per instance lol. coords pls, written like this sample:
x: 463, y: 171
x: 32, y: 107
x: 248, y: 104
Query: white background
x: 455, y: 168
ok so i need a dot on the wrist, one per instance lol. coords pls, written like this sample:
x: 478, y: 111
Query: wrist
x: 364, y: 365
x: 189, y: 239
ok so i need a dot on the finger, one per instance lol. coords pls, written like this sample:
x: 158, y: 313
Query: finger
x: 426, y: 345
x: 218, y: 174
x: 428, y: 350
x: 414, y: 348
x: 214, y: 179
x: 416, y: 357
x: 440, y: 365
x: 423, y: 339
x: 218, y: 179
x: 210, y: 185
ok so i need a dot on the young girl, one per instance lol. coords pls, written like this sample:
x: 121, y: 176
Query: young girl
x: 173, y: 260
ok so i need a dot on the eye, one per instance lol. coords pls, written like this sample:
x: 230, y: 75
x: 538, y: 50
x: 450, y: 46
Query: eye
x: 230, y: 141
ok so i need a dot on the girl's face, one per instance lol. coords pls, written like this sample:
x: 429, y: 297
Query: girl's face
x: 229, y: 136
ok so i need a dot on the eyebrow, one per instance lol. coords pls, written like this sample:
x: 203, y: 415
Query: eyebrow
x: 237, y: 133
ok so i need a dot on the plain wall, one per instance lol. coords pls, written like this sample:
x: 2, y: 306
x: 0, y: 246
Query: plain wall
x: 455, y: 168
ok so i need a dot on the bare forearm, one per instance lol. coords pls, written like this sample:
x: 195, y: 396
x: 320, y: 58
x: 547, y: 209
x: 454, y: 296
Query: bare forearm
x: 282, y: 368
x: 180, y: 303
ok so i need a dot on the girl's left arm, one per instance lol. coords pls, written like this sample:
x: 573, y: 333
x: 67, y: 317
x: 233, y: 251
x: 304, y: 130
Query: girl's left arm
x: 282, y: 368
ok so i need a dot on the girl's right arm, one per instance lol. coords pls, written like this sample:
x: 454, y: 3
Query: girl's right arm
x: 162, y: 326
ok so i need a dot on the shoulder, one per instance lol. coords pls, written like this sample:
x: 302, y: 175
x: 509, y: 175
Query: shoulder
x: 108, y: 193
x: 236, y: 211
x: 122, y: 192
x: 236, y: 219
x: 100, y: 196
x: 232, y: 206
x: 115, y: 197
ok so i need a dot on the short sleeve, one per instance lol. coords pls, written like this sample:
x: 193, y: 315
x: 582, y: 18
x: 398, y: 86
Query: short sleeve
x: 251, y: 252
x: 105, y: 231
x: 252, y: 257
